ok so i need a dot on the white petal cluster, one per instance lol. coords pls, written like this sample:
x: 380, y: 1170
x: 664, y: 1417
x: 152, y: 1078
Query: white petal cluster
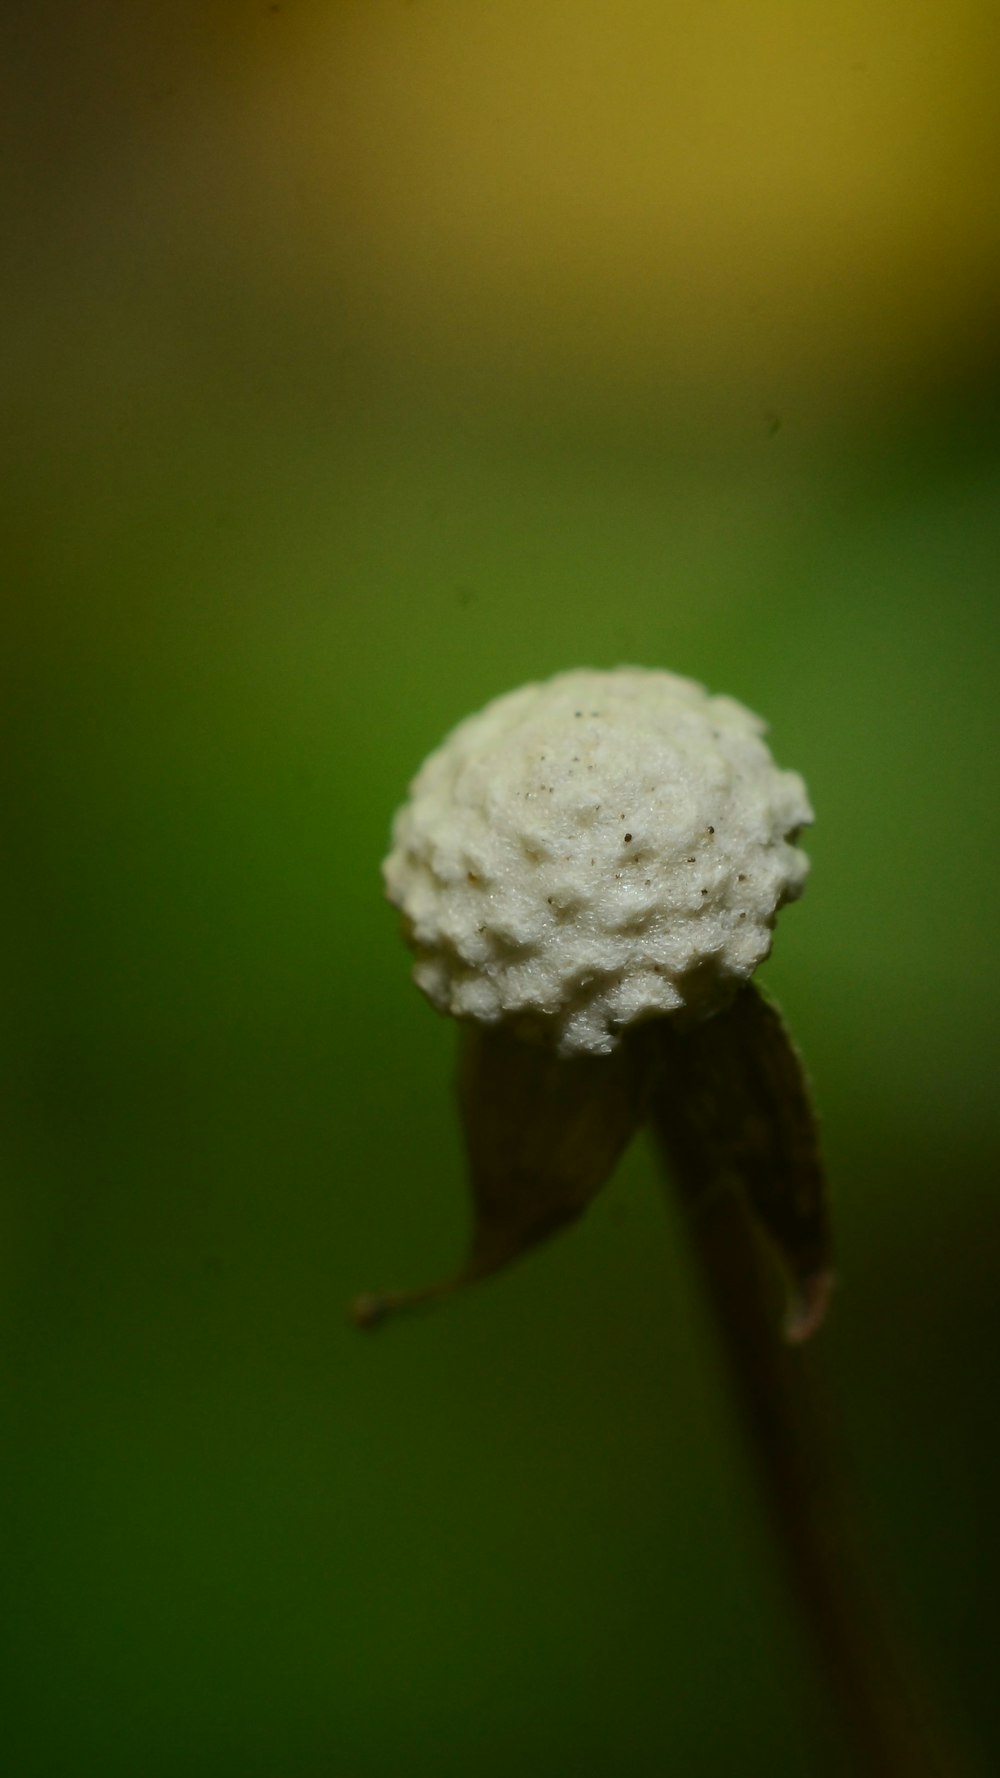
x: 593, y: 851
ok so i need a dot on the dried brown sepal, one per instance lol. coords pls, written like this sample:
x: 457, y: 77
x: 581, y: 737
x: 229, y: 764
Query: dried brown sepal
x: 732, y: 1108
x: 543, y: 1133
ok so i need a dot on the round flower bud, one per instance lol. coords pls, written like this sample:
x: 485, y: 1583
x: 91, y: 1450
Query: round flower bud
x: 597, y: 850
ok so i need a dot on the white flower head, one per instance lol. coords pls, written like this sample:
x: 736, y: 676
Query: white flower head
x: 595, y: 851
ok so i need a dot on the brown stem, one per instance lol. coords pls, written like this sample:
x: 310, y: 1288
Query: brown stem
x: 790, y: 1449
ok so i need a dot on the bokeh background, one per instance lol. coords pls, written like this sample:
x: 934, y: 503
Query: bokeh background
x: 362, y: 360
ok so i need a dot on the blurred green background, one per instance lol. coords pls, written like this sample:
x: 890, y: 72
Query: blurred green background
x: 360, y: 362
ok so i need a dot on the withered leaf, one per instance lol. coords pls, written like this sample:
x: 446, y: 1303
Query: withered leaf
x: 732, y: 1107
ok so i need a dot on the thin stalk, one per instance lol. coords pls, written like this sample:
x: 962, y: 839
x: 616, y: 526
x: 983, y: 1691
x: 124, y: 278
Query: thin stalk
x: 791, y: 1452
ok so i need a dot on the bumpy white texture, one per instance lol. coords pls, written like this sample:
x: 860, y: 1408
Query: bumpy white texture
x: 593, y: 851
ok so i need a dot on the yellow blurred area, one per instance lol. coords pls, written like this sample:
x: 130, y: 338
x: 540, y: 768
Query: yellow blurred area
x: 648, y: 194
x: 702, y: 206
